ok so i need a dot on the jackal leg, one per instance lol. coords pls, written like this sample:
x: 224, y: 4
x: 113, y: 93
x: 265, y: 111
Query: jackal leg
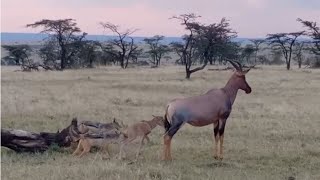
x: 86, y: 148
x: 79, y: 148
x: 107, y: 150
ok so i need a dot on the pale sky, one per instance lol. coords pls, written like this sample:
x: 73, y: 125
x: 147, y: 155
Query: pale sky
x: 250, y: 18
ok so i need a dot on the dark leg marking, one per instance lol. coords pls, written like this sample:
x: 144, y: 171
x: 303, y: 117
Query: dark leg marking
x: 216, y: 130
x: 167, y: 125
x: 177, y: 121
x: 222, y: 122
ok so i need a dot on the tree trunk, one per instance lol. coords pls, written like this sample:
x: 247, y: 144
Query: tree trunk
x: 288, y: 65
x: 299, y: 63
x: 90, y: 62
x: 188, y: 74
x: 122, y: 63
x: 63, y: 59
x: 211, y: 61
x: 126, y: 65
x: 25, y: 141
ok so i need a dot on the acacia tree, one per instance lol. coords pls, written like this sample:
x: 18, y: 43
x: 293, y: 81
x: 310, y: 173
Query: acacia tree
x: 285, y: 43
x: 178, y: 49
x: 230, y: 50
x: 276, y: 57
x: 314, y: 33
x: 201, y: 41
x: 109, y: 54
x: 213, y: 39
x: 125, y: 43
x: 189, y: 45
x: 64, y: 32
x: 247, y: 52
x: 256, y: 43
x: 157, y: 50
x: 298, y: 55
x: 19, y: 54
x: 88, y: 52
x: 49, y: 53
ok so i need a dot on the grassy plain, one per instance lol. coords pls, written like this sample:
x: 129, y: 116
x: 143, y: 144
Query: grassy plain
x: 273, y: 133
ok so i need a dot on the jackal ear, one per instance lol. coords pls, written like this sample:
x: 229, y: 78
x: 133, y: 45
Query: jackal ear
x: 74, y: 121
x: 122, y: 124
x: 114, y: 120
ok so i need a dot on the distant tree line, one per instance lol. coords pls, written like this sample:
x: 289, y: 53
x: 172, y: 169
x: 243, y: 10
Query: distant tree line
x: 66, y: 47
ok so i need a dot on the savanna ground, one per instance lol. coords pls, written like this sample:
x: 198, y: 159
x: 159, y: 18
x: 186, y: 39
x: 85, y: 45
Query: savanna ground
x: 273, y: 133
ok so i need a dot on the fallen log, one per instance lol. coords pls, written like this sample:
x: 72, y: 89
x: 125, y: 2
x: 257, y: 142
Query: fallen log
x: 25, y: 141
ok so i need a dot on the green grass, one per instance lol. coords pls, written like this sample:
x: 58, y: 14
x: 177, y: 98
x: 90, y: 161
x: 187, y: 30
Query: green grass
x: 273, y: 133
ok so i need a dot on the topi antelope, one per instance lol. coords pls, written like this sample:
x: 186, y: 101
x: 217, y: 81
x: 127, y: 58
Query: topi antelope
x: 214, y: 107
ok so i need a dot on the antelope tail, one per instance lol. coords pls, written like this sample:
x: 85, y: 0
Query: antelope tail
x: 167, y: 125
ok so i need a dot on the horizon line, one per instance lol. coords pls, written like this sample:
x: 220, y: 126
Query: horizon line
x: 131, y: 36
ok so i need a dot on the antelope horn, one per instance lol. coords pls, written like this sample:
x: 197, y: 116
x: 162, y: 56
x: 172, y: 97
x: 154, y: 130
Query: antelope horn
x: 240, y: 66
x: 236, y: 65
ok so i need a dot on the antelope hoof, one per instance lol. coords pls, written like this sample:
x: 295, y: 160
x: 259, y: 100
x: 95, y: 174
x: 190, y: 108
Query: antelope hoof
x: 220, y: 158
x: 167, y: 159
x: 216, y: 157
x: 121, y: 158
x: 106, y: 158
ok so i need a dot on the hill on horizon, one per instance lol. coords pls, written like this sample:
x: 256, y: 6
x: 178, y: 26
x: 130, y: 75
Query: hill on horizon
x: 9, y: 38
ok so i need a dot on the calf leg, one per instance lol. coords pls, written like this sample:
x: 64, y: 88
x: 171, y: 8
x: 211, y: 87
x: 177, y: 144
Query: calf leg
x: 147, y: 138
x: 140, y: 146
x: 123, y: 144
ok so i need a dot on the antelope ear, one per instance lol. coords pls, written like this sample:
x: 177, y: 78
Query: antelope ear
x: 246, y: 71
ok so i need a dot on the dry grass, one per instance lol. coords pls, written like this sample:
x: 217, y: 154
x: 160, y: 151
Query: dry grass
x: 273, y: 133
